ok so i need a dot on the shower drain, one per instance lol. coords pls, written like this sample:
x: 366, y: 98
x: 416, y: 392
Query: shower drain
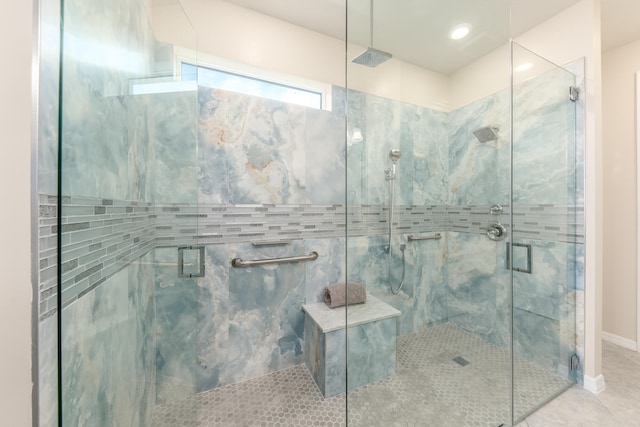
x: 461, y: 361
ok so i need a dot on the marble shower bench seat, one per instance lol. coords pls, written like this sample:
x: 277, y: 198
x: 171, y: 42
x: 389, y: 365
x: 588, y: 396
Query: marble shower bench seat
x: 370, y: 337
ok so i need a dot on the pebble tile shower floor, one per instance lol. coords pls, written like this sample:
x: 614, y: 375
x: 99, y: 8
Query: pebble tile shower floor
x: 429, y: 389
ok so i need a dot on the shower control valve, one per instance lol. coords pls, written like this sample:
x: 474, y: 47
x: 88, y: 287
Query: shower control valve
x: 496, y: 232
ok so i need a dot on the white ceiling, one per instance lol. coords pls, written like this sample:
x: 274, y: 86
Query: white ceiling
x: 418, y: 32
x: 620, y: 23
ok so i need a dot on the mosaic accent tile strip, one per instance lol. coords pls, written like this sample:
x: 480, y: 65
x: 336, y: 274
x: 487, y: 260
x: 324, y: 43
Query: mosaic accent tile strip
x: 555, y: 223
x: 102, y: 236
x: 218, y: 224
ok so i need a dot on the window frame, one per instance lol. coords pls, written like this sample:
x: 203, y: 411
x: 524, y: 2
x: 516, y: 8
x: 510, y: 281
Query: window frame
x: 224, y: 65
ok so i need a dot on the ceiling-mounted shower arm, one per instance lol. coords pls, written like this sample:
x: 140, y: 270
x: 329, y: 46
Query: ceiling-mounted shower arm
x: 371, y: 57
x: 370, y: 23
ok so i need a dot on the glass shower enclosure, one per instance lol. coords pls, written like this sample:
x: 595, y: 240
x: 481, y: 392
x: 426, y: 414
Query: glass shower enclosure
x: 223, y: 162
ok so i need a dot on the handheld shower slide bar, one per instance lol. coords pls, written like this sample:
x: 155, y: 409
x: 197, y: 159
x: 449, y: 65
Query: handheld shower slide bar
x: 394, y: 155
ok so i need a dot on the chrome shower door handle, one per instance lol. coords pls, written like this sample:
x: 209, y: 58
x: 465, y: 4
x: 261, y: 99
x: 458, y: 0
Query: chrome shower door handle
x: 496, y: 232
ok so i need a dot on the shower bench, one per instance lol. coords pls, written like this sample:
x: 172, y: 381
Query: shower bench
x: 371, y: 337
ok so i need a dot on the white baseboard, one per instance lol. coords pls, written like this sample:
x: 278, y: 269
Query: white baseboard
x: 621, y: 341
x: 594, y: 385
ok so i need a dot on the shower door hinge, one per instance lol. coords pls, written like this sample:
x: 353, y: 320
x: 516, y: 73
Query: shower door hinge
x: 574, y: 362
x: 574, y: 93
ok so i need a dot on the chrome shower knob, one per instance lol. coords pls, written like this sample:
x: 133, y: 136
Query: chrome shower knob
x: 496, y: 232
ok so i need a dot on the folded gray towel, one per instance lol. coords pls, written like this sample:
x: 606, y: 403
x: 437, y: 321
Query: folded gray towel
x: 336, y: 295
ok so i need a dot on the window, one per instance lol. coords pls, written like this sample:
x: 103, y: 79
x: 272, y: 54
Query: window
x: 229, y: 75
x: 249, y: 85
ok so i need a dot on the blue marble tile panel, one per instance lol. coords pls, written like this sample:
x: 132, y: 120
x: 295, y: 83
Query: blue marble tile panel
x: 537, y: 339
x: 266, y: 321
x: 475, y: 285
x: 173, y: 130
x: 261, y: 145
x: 371, y: 352
x: 213, y: 304
x: 366, y: 262
x: 426, y: 267
x: 325, y: 162
x: 106, y: 377
x: 381, y: 134
x: 544, y: 290
x: 48, y: 372
x: 329, y: 268
x: 430, y: 157
x: 314, y: 350
x: 105, y: 46
x: 475, y: 169
x: 544, y: 139
x: 176, y: 322
x: 335, y: 357
x: 48, y: 96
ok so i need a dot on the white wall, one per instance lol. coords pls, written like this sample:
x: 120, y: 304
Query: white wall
x: 578, y: 29
x: 243, y: 35
x: 487, y: 75
x: 15, y: 253
x: 619, y: 67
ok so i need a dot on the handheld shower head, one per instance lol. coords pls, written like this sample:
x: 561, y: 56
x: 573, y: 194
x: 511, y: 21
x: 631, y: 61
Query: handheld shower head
x: 394, y: 155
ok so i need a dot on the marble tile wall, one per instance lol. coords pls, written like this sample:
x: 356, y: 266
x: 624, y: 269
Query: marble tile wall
x: 478, y: 173
x: 446, y: 288
x: 225, y: 170
x: 109, y: 356
x: 547, y: 214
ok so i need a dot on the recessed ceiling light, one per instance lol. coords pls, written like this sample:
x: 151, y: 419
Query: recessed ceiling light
x: 523, y: 67
x: 460, y: 31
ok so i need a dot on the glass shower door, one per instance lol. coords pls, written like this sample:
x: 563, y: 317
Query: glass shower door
x: 127, y: 169
x: 428, y: 157
x: 547, y: 241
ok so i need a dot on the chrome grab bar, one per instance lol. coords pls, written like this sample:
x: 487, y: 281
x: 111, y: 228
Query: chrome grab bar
x: 412, y: 238
x: 239, y: 262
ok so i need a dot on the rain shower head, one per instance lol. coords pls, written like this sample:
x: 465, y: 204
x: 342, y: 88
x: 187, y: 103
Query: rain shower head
x: 372, y: 57
x: 487, y: 133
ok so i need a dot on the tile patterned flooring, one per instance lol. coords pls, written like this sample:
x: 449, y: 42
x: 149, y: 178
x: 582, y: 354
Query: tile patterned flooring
x: 429, y: 389
x: 618, y: 405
